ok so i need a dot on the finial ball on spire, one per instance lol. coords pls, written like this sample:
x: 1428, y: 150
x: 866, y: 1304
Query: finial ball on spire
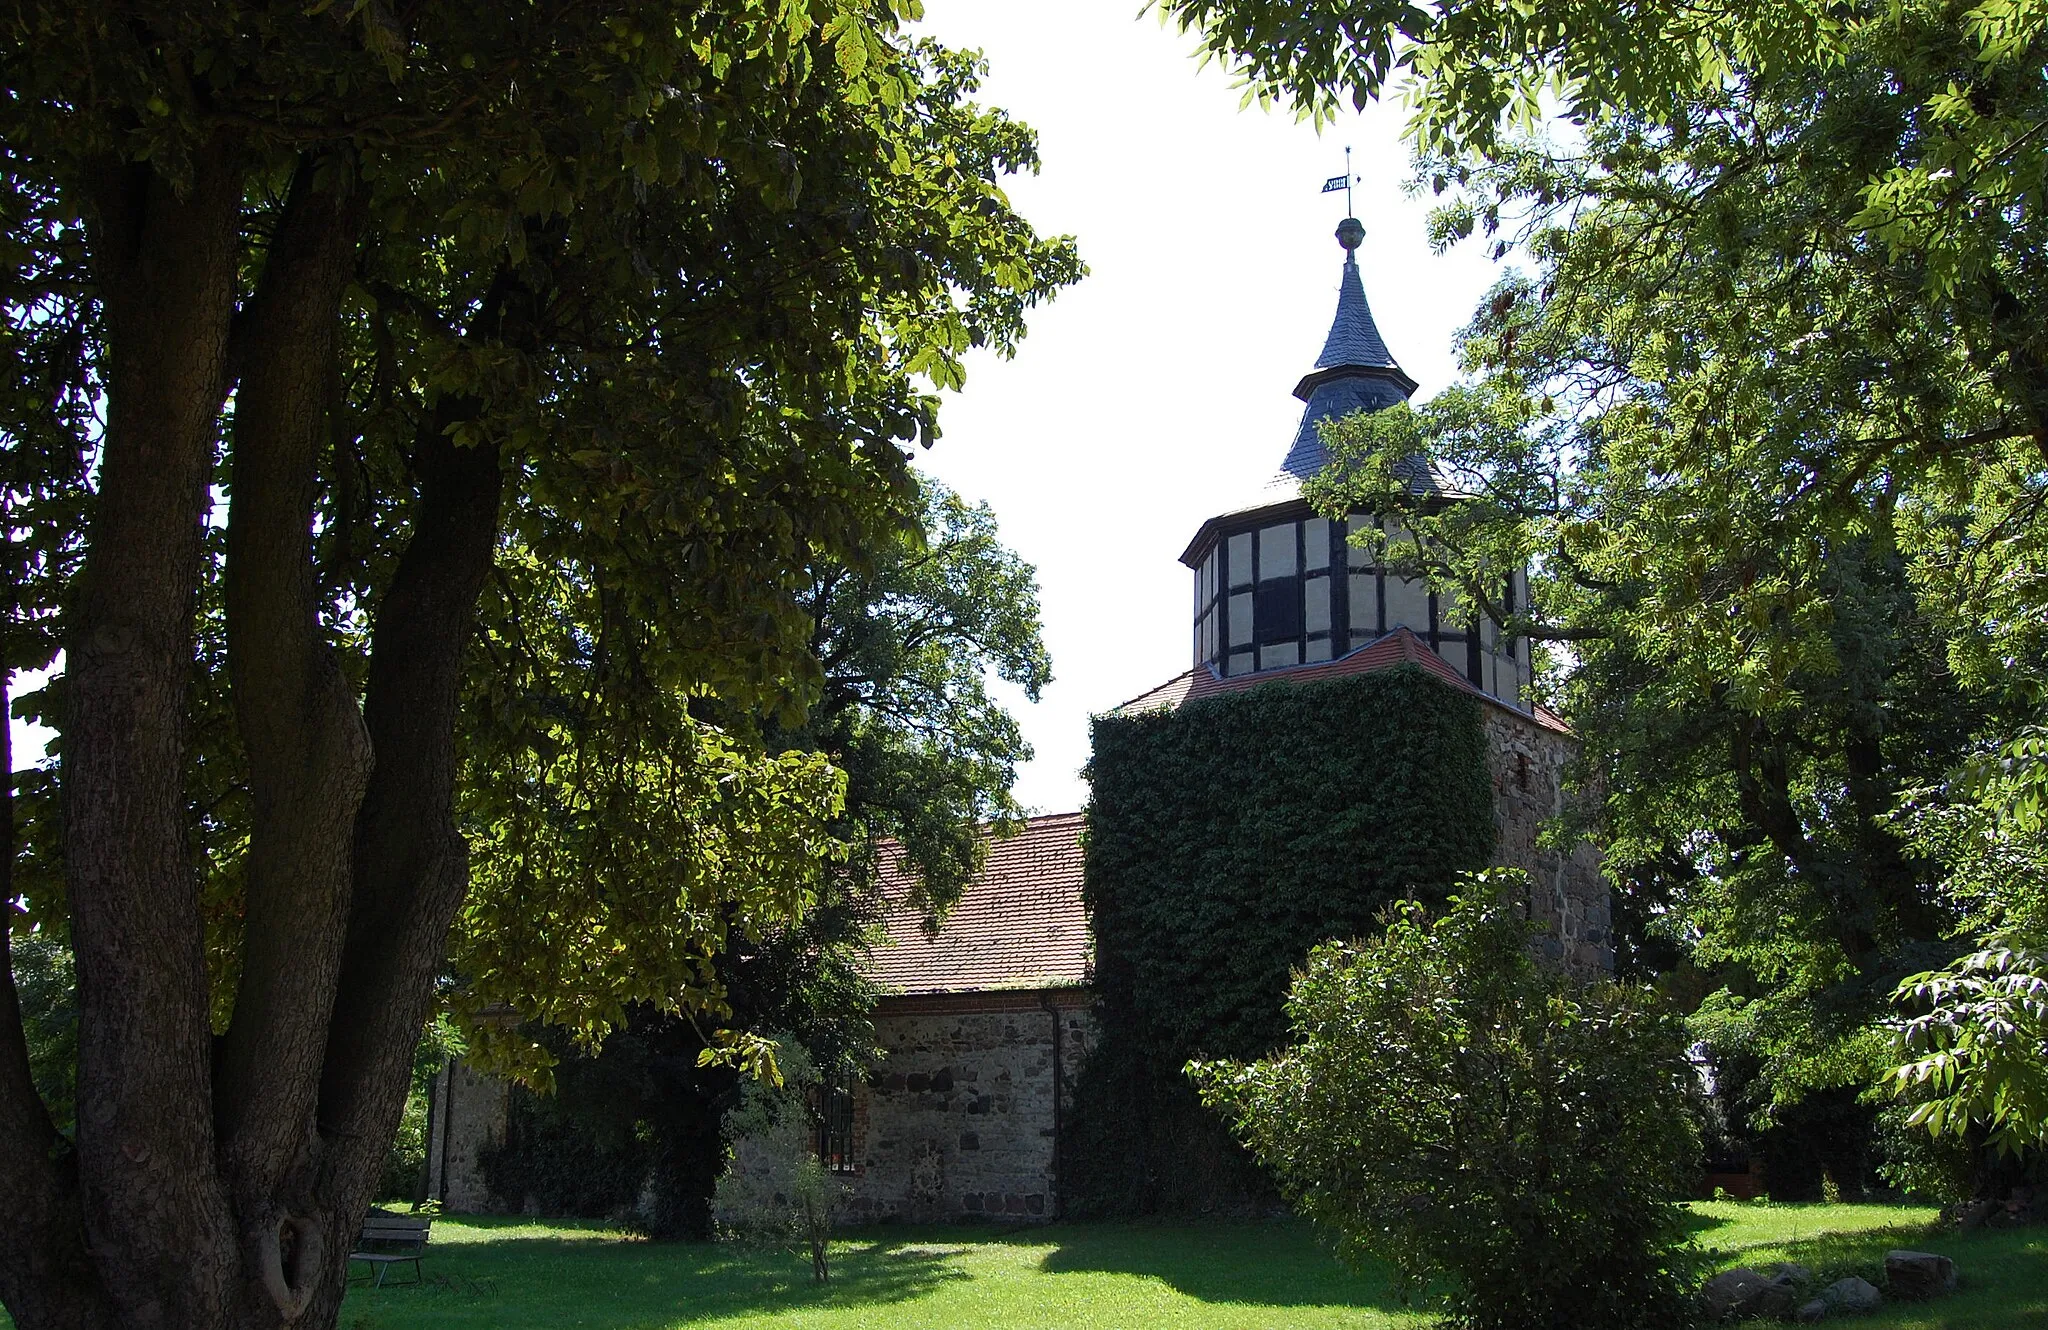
x: 1350, y: 233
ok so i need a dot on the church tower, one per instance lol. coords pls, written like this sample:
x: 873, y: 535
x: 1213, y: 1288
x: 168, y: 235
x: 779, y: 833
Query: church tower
x: 1278, y: 585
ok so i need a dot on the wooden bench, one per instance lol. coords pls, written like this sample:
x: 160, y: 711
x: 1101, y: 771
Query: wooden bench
x: 389, y: 1239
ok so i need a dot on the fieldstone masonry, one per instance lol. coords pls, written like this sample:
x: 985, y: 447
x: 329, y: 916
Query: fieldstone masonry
x: 1567, y: 893
x: 469, y: 1116
x: 962, y: 1118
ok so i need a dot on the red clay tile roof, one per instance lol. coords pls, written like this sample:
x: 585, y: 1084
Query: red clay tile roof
x: 1400, y: 647
x: 1020, y: 924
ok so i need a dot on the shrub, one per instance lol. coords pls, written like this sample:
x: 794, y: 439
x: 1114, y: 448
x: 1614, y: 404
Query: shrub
x: 1797, y: 1113
x: 630, y: 1135
x: 1506, y: 1138
x: 774, y: 1190
x: 1940, y: 1169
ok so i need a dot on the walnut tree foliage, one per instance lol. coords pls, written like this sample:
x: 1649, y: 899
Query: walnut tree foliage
x: 1514, y: 1144
x: 1974, y: 1039
x: 1765, y: 409
x: 907, y: 646
x: 423, y: 422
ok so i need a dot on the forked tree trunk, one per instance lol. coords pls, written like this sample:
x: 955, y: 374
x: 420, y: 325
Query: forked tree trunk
x: 220, y: 1183
x: 411, y: 864
x: 308, y: 755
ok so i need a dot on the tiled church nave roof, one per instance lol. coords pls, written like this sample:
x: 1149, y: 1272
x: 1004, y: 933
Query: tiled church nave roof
x: 1020, y: 924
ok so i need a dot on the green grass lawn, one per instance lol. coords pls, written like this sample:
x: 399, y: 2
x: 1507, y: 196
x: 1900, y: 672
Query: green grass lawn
x: 513, y: 1273
x: 538, y: 1275
x: 2004, y: 1272
x: 1112, y: 1276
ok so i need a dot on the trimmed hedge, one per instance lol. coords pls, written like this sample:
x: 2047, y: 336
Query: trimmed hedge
x: 1225, y: 839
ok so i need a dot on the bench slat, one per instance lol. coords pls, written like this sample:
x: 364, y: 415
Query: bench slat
x: 387, y: 1239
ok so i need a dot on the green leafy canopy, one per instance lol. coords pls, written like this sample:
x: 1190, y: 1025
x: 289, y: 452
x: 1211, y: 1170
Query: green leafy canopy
x: 1764, y: 411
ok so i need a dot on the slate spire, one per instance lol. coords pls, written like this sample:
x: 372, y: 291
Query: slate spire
x: 1355, y: 372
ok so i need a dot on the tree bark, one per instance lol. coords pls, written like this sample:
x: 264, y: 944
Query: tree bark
x: 45, y: 1276
x: 221, y: 1183
x: 158, y: 1223
x: 308, y: 754
x: 411, y: 866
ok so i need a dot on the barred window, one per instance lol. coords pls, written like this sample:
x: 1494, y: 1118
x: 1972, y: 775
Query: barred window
x: 835, y: 1129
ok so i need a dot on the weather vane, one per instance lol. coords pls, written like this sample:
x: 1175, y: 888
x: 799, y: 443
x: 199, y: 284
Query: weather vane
x: 1343, y: 182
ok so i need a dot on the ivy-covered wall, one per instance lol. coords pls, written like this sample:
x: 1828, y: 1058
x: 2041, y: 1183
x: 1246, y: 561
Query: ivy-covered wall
x: 1225, y: 839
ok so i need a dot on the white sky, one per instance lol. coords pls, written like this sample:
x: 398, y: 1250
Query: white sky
x: 1159, y: 391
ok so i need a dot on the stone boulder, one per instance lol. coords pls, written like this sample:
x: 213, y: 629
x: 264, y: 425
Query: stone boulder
x: 1782, y: 1296
x: 1852, y: 1297
x: 1811, y: 1311
x: 1919, y: 1274
x: 1733, y: 1293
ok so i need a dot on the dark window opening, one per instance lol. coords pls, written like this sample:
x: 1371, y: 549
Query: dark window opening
x: 1277, y: 615
x: 835, y: 1129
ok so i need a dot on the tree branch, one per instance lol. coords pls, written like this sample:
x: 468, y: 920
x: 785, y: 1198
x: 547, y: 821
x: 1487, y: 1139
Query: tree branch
x: 411, y: 865
x: 308, y: 754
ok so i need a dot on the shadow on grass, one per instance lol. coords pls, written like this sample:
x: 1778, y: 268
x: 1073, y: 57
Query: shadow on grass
x: 1695, y: 1223
x: 1275, y: 1264
x: 602, y: 1278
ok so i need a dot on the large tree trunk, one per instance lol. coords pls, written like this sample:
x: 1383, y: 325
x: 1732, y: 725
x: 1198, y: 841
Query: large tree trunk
x: 220, y: 1183
x: 158, y: 1224
x: 308, y: 756
x: 411, y: 864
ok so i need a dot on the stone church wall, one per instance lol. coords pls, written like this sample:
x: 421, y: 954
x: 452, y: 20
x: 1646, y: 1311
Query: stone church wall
x: 1567, y: 893
x: 962, y: 1118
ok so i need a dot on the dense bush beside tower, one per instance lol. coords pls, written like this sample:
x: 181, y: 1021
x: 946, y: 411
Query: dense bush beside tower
x: 1505, y: 1137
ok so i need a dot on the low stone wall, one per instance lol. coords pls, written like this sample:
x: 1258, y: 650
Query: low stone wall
x: 962, y: 1117
x: 1568, y: 894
